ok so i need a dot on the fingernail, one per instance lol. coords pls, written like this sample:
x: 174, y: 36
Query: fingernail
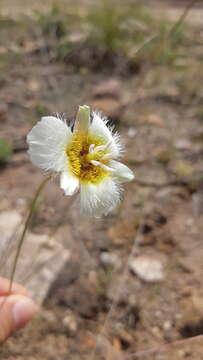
x: 23, y: 311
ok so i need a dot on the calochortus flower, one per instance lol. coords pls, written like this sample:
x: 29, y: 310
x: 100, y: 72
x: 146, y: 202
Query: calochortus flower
x: 86, y: 158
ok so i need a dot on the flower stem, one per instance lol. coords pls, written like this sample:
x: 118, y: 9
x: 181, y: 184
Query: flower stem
x: 27, y: 222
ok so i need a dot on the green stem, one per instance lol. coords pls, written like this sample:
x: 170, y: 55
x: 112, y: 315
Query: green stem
x: 27, y: 222
x: 182, y: 17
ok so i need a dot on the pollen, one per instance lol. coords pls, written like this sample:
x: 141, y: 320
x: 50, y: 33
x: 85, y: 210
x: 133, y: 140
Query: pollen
x: 80, y: 158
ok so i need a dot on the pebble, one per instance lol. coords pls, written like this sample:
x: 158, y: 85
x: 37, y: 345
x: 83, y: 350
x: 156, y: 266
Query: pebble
x: 113, y: 108
x: 156, y: 332
x: 147, y: 268
x: 70, y: 323
x: 183, y: 144
x: 132, y: 132
x: 48, y: 316
x: 181, y: 353
x: 46, y: 258
x: 167, y: 325
x: 108, y: 258
x: 108, y: 88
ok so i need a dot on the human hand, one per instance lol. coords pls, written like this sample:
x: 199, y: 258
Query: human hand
x: 16, y: 308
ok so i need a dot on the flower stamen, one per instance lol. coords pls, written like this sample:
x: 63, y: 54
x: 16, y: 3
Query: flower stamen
x: 85, y: 156
x: 91, y: 148
x: 106, y: 157
x: 103, y: 166
x: 102, y: 147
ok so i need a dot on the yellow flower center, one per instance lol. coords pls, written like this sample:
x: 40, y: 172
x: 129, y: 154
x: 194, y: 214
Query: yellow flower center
x: 80, y: 158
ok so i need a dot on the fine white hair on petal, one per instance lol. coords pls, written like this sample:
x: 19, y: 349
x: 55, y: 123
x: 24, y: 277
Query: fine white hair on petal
x: 47, y: 143
x: 99, y: 199
x: 99, y: 127
x: 69, y: 183
x: 121, y: 171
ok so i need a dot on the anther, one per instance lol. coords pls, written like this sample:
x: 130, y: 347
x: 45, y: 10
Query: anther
x: 102, y: 147
x: 105, y: 167
x: 95, y: 163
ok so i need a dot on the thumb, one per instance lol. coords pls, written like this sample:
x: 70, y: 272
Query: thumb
x: 15, y: 312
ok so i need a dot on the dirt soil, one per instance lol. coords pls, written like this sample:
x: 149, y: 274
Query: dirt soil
x: 100, y: 306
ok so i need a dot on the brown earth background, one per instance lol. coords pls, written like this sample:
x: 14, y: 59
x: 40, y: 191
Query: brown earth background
x: 130, y: 282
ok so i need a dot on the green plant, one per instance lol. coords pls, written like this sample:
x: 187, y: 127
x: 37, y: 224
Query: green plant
x: 52, y: 23
x: 166, y: 46
x: 5, y: 151
x: 41, y: 110
x: 106, y: 23
x: 114, y: 27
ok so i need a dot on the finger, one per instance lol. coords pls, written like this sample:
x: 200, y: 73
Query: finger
x: 15, y: 289
x: 15, y: 312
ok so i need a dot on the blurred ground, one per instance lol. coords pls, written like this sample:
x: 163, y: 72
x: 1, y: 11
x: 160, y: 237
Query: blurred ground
x: 154, y: 97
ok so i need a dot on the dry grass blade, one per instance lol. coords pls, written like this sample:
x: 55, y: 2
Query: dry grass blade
x: 161, y: 348
x: 182, y: 17
x: 155, y: 38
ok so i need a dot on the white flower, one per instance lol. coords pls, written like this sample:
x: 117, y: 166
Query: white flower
x: 85, y: 158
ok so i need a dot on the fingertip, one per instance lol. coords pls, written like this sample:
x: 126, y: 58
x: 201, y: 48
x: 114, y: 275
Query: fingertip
x: 23, y: 310
x: 6, y: 289
x: 15, y: 312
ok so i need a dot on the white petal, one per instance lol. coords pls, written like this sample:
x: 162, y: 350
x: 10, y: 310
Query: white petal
x: 82, y: 122
x: 69, y: 183
x: 99, y: 127
x: 47, y: 143
x: 121, y: 171
x: 99, y: 199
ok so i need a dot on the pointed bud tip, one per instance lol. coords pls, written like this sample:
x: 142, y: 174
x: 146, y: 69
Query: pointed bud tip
x: 85, y: 109
x: 83, y: 119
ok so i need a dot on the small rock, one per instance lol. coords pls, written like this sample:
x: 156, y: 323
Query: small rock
x: 178, y: 316
x: 147, y: 268
x: 110, y: 259
x: 40, y: 259
x: 121, y: 232
x: 112, y: 108
x: 108, y: 98
x: 181, y: 353
x: 154, y: 119
x: 167, y: 325
x: 158, y: 314
x: 70, y: 323
x: 132, y: 132
x: 76, y: 38
x: 33, y: 85
x: 108, y: 88
x: 156, y: 332
x: 183, y: 144
x: 48, y: 316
